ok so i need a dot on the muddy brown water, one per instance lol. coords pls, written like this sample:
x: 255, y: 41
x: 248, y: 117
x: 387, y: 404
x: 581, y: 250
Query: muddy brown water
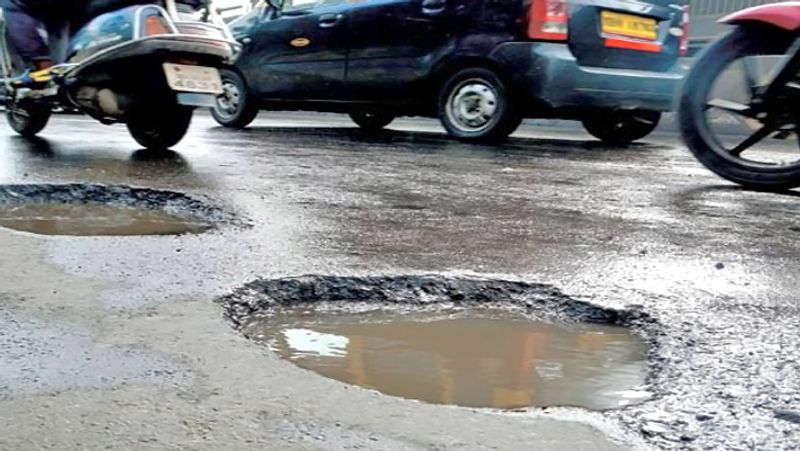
x: 94, y: 220
x: 494, y: 359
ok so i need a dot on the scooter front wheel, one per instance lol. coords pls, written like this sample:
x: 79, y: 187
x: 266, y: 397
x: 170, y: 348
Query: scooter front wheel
x: 29, y: 119
x: 161, y: 129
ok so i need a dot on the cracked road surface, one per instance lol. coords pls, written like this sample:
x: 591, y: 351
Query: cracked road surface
x: 115, y: 342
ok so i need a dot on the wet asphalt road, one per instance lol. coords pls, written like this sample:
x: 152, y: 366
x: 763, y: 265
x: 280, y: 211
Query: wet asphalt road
x: 643, y: 227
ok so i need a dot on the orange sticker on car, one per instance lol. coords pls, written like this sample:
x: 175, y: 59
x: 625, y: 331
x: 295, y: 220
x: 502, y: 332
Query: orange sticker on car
x: 300, y: 42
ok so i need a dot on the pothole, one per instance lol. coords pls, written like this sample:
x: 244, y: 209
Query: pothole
x: 485, y: 358
x: 100, y: 210
x: 467, y: 342
x: 95, y: 220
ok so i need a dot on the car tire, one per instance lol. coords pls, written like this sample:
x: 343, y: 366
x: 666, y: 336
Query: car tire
x: 475, y: 105
x: 236, y: 107
x: 28, y: 120
x: 372, y: 122
x: 620, y: 128
x: 161, y: 128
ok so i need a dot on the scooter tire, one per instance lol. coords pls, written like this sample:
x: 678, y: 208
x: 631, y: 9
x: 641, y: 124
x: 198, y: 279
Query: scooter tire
x: 27, y: 120
x: 162, y: 129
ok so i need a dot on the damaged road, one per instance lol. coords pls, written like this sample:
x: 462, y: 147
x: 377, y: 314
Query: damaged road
x: 642, y: 231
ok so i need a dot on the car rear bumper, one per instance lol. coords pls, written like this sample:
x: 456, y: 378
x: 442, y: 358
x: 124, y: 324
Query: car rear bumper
x: 547, y: 73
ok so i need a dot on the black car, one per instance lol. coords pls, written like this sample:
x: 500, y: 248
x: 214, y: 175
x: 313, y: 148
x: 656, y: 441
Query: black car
x: 481, y: 66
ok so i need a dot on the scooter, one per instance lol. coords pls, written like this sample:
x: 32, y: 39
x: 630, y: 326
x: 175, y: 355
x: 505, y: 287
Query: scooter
x: 749, y: 78
x: 146, y: 66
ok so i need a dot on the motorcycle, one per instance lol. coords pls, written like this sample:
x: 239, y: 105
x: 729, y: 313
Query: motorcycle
x: 748, y: 80
x: 146, y: 66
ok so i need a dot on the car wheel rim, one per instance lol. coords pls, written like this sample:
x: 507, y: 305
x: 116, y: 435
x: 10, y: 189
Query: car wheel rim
x: 229, y: 101
x: 472, y: 106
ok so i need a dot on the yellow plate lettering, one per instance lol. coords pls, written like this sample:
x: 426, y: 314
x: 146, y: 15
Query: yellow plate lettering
x: 629, y: 25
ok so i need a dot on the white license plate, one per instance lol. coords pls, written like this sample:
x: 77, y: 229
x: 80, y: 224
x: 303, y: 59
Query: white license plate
x: 183, y: 78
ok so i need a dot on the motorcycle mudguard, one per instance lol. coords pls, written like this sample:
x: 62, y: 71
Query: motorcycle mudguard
x: 784, y: 15
x: 147, y: 30
x: 114, y: 28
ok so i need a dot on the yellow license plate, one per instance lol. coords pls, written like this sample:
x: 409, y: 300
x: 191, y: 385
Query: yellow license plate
x: 629, y: 25
x: 183, y: 78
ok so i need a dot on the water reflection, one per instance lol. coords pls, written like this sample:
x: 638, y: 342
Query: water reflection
x: 35, y: 146
x: 42, y: 159
x: 492, y: 359
x: 94, y: 220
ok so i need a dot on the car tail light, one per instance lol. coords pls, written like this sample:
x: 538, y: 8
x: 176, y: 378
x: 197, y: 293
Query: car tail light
x: 548, y: 20
x: 685, y: 22
x: 155, y: 25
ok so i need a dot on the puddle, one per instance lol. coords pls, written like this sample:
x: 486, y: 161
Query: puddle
x: 472, y: 358
x: 94, y: 219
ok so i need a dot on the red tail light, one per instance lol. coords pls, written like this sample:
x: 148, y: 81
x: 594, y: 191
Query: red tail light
x: 548, y: 20
x: 684, y: 49
x: 155, y: 25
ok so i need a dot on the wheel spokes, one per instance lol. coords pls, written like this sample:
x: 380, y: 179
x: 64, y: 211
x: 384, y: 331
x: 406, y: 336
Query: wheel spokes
x: 730, y: 106
x: 754, y: 139
x: 750, y: 77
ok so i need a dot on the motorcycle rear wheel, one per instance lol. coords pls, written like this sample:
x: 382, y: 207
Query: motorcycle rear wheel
x: 27, y: 120
x: 161, y: 128
x: 696, y: 103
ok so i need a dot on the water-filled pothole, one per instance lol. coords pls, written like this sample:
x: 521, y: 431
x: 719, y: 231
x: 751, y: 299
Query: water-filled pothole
x: 462, y: 341
x: 95, y: 220
x: 99, y: 210
x: 484, y: 358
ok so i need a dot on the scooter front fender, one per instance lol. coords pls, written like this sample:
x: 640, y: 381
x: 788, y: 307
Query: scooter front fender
x: 782, y: 15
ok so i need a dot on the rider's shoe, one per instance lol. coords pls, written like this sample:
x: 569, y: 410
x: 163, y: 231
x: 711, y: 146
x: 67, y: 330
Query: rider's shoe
x: 34, y: 80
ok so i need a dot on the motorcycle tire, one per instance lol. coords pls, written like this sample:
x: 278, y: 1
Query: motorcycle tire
x: 160, y: 129
x: 697, y: 133
x: 28, y: 120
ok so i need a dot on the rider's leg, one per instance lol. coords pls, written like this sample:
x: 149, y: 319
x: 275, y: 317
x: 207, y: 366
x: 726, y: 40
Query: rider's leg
x: 24, y: 32
x: 58, y: 33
